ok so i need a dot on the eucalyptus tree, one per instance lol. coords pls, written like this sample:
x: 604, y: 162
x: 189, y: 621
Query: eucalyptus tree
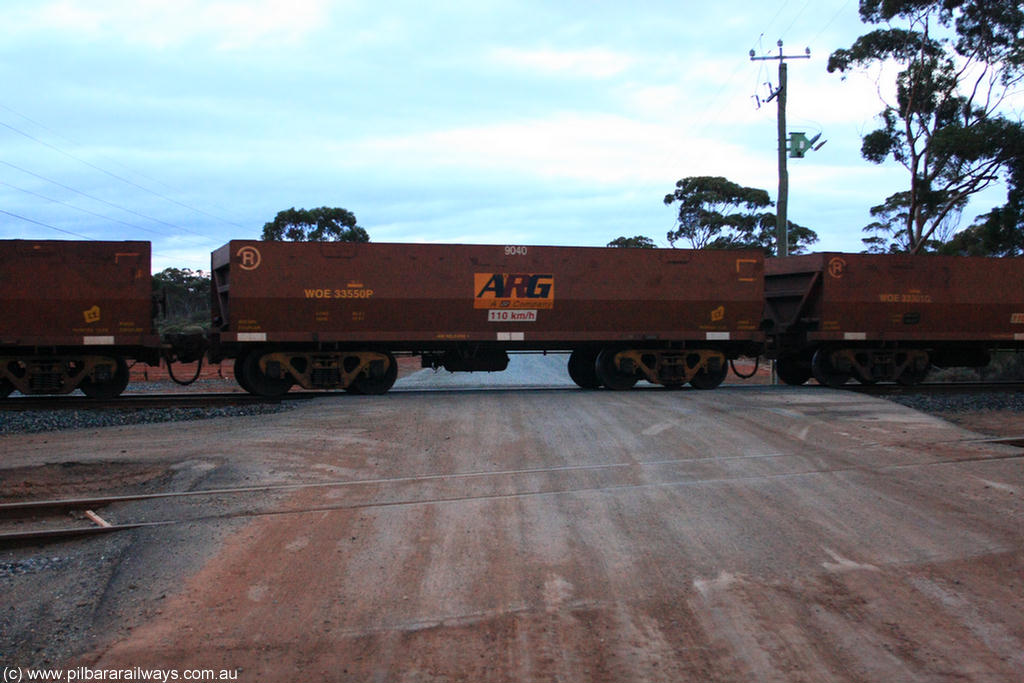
x: 957, y: 63
x: 324, y: 224
x: 638, y: 242
x: 716, y: 213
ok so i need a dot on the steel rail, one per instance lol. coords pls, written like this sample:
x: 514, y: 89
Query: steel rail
x: 142, y: 401
x: 935, y: 388
x: 23, y: 537
x: 24, y: 508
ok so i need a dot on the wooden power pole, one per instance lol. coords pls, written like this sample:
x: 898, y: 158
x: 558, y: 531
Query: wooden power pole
x: 782, y: 222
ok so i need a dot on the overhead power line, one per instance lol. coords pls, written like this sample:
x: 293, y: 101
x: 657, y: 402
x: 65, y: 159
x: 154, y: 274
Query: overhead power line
x: 47, y: 225
x: 66, y: 232
x: 79, y: 208
x: 96, y: 167
x: 831, y: 21
x: 785, y: 33
x: 102, y: 201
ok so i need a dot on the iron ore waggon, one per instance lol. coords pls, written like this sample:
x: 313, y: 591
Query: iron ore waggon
x: 889, y: 316
x: 334, y: 315
x: 72, y: 314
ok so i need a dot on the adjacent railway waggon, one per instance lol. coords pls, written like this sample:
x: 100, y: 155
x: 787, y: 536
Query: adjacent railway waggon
x: 334, y: 315
x: 72, y: 314
x: 890, y: 317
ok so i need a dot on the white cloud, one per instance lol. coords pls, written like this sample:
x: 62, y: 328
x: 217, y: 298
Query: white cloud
x: 227, y: 24
x: 601, y: 149
x: 587, y: 63
x: 497, y: 122
x: 249, y: 23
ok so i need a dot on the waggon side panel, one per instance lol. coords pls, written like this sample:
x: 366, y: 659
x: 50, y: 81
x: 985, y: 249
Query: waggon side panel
x: 894, y: 297
x: 414, y: 293
x: 75, y: 293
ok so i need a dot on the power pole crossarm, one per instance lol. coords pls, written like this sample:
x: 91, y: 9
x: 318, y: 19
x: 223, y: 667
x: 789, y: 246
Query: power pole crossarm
x: 782, y: 222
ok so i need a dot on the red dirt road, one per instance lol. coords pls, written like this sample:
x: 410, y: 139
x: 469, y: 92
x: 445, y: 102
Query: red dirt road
x: 768, y: 534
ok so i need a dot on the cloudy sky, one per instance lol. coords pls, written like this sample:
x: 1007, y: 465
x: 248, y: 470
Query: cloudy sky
x: 192, y: 122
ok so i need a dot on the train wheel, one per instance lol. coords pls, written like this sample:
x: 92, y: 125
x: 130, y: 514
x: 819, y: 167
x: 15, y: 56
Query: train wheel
x: 709, y: 379
x: 825, y: 373
x: 256, y: 382
x: 112, y: 387
x: 5, y: 387
x: 376, y: 384
x: 582, y: 369
x: 237, y: 370
x: 911, y: 376
x: 611, y: 376
x: 793, y: 370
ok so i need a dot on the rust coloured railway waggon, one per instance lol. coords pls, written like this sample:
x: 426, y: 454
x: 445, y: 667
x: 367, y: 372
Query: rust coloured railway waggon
x: 334, y: 315
x: 73, y: 314
x: 889, y: 316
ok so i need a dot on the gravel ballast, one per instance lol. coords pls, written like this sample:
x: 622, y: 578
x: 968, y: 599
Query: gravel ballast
x: 30, y: 421
x: 938, y: 404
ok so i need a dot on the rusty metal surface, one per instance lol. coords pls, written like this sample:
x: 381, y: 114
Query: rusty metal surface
x: 419, y: 293
x: 68, y: 293
x: 897, y: 297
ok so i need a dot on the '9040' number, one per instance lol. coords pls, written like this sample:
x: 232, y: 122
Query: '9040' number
x: 515, y: 251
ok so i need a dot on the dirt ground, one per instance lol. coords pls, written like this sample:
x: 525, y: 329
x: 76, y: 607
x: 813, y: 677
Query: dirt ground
x: 749, y: 533
x: 1004, y: 423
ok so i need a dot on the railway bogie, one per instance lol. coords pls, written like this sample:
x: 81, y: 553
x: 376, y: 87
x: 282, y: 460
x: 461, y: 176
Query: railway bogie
x: 269, y: 372
x: 98, y: 376
x: 622, y: 369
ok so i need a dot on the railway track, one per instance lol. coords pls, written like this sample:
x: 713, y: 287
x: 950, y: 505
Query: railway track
x: 45, y: 521
x: 141, y: 401
x: 199, y: 400
x: 936, y: 388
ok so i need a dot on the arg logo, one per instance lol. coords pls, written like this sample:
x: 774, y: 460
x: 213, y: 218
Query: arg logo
x: 514, y: 290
